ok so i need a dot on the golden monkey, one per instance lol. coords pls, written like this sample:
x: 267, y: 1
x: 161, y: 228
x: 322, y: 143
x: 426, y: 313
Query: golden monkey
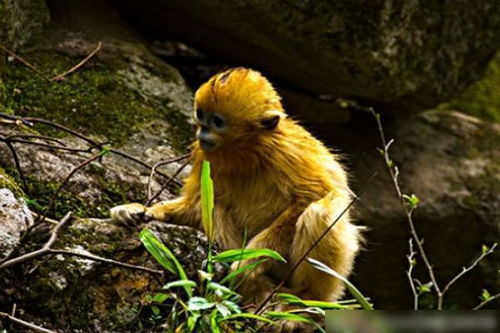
x: 272, y: 178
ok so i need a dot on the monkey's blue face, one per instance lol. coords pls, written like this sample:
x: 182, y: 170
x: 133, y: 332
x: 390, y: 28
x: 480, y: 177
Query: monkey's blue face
x: 210, y: 127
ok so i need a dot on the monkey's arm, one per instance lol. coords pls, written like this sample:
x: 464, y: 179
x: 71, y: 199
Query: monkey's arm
x: 278, y: 237
x: 179, y: 211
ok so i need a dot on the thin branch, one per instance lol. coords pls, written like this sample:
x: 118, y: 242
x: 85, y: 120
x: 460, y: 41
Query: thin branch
x: 463, y: 272
x: 42, y: 251
x: 393, y: 172
x: 29, y: 121
x: 486, y: 301
x: 26, y: 324
x: 304, y: 256
x: 17, y: 164
x: 170, y: 180
x: 153, y: 171
x: 61, y: 76
x: 105, y: 260
x: 409, y: 272
x: 24, y: 62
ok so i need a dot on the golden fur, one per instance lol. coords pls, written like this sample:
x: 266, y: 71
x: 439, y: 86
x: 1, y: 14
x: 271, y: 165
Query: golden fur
x: 281, y: 185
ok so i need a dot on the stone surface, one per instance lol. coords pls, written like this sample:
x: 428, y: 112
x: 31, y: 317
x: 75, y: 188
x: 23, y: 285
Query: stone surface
x: 406, y: 55
x: 20, y: 20
x: 15, y: 219
x: 80, y: 295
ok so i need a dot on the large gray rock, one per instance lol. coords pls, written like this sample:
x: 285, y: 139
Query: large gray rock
x: 79, y: 295
x: 15, y: 218
x: 408, y: 55
x: 452, y: 163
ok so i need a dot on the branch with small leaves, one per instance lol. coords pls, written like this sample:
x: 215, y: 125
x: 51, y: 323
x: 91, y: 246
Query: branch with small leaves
x: 410, y: 203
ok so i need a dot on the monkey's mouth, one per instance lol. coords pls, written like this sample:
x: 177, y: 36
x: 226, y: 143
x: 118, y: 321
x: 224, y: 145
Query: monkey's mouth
x: 207, y: 145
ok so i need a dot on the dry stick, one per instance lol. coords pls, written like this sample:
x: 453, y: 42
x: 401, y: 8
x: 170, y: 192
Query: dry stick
x: 81, y: 63
x: 464, y: 271
x: 409, y: 272
x: 393, y: 172
x: 486, y: 301
x: 26, y: 324
x: 40, y: 137
x: 304, y: 256
x: 24, y: 62
x: 40, y: 252
x: 170, y: 180
x: 93, y: 257
x: 17, y: 163
x: 157, y: 165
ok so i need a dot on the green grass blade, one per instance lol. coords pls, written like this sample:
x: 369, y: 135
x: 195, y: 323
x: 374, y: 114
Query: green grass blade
x: 239, y: 254
x: 163, y: 255
x: 352, y: 289
x: 180, y: 283
x: 252, y: 316
x: 234, y: 274
x: 207, y: 201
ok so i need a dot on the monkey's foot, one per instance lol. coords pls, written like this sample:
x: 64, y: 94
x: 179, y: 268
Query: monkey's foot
x: 130, y: 214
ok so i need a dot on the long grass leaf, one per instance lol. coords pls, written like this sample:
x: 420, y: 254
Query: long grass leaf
x: 163, y: 255
x: 352, y: 289
x: 207, y: 201
x: 239, y: 254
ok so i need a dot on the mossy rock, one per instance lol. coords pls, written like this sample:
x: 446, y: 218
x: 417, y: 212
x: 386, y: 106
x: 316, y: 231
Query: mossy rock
x: 482, y: 98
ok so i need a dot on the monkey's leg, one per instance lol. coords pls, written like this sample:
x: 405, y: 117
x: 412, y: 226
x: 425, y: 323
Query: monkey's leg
x: 256, y: 285
x: 336, y: 250
x: 180, y: 211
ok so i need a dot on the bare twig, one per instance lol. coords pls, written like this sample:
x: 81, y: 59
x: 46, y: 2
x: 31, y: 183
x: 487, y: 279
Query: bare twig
x: 17, y: 164
x: 29, y: 121
x: 486, y: 301
x: 394, y: 172
x: 40, y: 252
x: 80, y: 64
x: 33, y: 327
x: 463, y: 272
x: 105, y: 260
x: 411, y: 265
x: 157, y: 165
x: 24, y: 62
x: 304, y: 256
x: 170, y: 180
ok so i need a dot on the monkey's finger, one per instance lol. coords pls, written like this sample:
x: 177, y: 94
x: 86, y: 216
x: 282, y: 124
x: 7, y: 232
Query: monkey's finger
x: 129, y: 214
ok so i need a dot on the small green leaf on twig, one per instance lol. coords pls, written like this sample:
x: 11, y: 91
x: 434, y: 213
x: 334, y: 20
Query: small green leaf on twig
x: 484, y: 249
x: 390, y: 163
x: 412, y: 201
x: 485, y: 296
x: 424, y: 288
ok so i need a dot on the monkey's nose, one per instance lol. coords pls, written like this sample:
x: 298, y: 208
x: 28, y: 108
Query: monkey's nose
x: 207, y: 141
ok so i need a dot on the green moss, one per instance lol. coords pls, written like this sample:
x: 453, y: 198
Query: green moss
x: 8, y: 182
x: 93, y: 100
x: 482, y: 98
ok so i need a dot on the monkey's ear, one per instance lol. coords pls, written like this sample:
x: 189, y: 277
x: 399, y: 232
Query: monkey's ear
x: 271, y: 120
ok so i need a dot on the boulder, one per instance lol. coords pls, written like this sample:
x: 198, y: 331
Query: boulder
x: 15, y: 219
x: 406, y: 55
x: 75, y: 294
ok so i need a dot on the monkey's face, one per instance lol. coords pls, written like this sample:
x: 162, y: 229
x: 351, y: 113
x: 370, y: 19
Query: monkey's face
x: 234, y: 108
x: 211, y: 128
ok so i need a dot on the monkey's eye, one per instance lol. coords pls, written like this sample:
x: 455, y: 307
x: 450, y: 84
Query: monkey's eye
x: 218, y: 122
x: 199, y: 114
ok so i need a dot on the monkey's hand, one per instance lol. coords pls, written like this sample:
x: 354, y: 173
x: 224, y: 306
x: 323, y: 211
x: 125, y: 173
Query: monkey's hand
x: 130, y: 214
